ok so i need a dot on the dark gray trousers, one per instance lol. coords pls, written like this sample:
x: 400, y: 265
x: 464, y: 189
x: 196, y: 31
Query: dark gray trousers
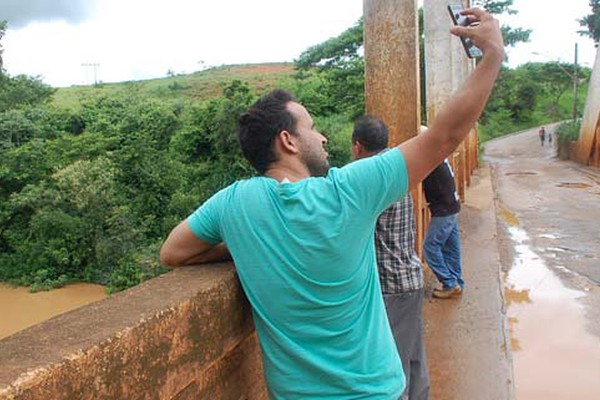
x: 406, y: 321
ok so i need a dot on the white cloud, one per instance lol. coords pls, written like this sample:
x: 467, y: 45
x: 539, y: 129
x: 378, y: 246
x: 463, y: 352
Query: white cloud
x: 135, y: 39
x: 140, y: 39
x: 554, y: 24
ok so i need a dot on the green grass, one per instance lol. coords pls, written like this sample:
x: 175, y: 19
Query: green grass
x: 198, y: 86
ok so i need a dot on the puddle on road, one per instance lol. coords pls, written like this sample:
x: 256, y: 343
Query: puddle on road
x: 509, y: 217
x: 550, y: 236
x: 554, y: 357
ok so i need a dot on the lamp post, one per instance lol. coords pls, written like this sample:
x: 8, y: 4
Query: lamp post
x: 573, y: 77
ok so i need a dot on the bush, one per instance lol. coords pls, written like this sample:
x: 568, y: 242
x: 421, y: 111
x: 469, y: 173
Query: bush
x: 568, y: 131
x: 338, y: 131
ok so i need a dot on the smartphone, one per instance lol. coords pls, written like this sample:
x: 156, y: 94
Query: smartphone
x: 459, y: 19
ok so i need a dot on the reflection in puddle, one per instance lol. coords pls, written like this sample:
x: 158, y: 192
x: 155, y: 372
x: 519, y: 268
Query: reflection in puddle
x: 550, y: 236
x: 509, y: 217
x: 557, y: 249
x: 554, y: 357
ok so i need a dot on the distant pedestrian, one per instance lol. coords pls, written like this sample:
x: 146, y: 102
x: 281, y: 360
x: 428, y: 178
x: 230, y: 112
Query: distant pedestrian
x: 542, y: 134
x: 549, y: 138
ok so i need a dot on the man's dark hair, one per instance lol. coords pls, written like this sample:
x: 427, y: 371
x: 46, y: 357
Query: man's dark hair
x: 371, y: 132
x: 260, y: 124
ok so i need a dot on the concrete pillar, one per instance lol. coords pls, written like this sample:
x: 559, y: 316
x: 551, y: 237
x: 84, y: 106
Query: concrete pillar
x: 440, y: 55
x: 588, y: 145
x: 446, y: 67
x: 392, y: 65
x: 392, y: 81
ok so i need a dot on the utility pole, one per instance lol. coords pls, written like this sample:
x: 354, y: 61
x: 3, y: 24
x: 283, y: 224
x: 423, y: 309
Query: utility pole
x: 575, y: 83
x: 94, y: 66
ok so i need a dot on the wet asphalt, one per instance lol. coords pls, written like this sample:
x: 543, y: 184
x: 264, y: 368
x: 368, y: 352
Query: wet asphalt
x: 528, y: 325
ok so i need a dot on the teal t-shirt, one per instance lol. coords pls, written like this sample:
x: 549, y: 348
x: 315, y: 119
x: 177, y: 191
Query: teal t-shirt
x: 304, y: 253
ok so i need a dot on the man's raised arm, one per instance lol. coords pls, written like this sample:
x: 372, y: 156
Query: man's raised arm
x: 460, y: 113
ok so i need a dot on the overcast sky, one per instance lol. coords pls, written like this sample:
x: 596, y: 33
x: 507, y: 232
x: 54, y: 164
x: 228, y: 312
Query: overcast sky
x: 141, y: 39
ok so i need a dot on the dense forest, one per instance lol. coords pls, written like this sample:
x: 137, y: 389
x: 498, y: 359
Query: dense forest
x: 93, y: 178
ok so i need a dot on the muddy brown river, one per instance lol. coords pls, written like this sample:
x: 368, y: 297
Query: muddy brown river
x: 20, y: 309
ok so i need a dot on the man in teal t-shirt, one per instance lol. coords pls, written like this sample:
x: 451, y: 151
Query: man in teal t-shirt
x: 307, y: 313
x: 301, y: 237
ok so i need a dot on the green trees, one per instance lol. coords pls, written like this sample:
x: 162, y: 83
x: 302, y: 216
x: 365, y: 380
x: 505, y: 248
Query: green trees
x: 529, y: 95
x: 90, y: 195
x: 22, y: 91
x: 2, y: 33
x: 510, y: 34
x: 340, y: 68
x: 591, y: 22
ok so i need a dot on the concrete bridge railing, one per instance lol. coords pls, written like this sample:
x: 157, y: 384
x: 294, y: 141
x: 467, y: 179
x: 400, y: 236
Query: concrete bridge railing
x: 185, y: 335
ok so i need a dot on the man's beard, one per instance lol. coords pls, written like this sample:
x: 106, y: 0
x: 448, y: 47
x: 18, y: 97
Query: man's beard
x: 316, y: 165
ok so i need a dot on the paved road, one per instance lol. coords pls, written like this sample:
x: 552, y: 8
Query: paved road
x: 549, y: 241
x: 557, y: 202
x: 528, y: 325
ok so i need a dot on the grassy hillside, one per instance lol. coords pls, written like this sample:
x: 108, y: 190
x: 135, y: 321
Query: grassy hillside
x: 201, y: 85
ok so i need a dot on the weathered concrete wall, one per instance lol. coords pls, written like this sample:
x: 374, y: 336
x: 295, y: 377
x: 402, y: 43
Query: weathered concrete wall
x: 587, y: 150
x: 185, y: 335
x: 392, y: 90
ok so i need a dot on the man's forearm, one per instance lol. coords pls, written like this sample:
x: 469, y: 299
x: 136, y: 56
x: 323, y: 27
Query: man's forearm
x: 214, y: 254
x: 460, y: 113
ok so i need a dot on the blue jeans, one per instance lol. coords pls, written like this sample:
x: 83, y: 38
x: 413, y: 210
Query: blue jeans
x: 442, y: 250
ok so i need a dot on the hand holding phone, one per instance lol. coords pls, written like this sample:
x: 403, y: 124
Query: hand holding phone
x: 459, y: 19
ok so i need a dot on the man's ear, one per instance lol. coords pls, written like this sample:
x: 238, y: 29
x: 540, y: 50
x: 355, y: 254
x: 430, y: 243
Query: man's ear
x: 358, y: 150
x: 288, y: 142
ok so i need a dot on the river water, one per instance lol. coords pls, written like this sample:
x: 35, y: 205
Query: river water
x: 20, y: 309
